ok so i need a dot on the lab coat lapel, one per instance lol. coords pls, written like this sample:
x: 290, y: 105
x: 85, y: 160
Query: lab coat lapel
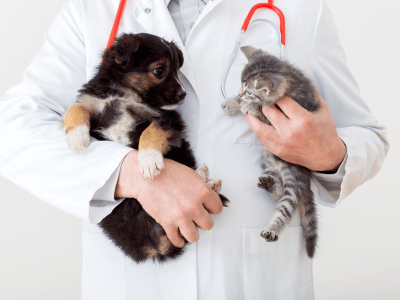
x: 150, y: 14
x: 209, y: 7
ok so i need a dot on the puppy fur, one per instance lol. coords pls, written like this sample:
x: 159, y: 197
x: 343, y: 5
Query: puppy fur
x: 137, y: 85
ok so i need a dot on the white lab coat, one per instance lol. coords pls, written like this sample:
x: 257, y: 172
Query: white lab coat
x: 231, y: 261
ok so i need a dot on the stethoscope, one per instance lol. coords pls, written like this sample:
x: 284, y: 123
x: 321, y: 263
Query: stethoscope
x: 281, y: 32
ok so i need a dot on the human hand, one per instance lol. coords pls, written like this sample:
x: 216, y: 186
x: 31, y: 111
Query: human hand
x: 178, y: 199
x: 308, y: 139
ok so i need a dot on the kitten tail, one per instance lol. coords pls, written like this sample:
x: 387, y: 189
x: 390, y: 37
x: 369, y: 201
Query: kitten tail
x: 309, y: 222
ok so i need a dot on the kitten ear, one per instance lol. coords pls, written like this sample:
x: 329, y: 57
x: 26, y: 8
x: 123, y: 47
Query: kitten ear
x: 124, y: 48
x: 250, y: 52
x: 262, y: 85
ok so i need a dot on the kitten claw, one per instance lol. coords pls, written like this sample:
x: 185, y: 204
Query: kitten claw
x: 151, y: 163
x: 269, y: 236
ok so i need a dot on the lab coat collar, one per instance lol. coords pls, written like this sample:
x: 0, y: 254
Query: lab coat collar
x: 168, y: 1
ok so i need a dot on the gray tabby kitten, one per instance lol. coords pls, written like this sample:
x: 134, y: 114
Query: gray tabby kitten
x: 265, y: 79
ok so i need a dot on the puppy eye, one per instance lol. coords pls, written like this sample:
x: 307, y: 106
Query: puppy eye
x: 158, y: 72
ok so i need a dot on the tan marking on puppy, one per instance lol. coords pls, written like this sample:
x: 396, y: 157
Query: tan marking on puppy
x: 75, y: 116
x: 144, y: 81
x: 150, y: 252
x: 154, y: 137
x: 153, y: 143
x: 141, y: 81
x: 164, y: 245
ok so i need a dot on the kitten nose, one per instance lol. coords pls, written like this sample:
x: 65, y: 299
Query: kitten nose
x: 181, y: 95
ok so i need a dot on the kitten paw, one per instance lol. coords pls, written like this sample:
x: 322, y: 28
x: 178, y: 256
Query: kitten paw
x: 249, y: 110
x: 151, y: 162
x: 269, y: 236
x: 266, y: 182
x: 231, y: 106
x: 78, y: 138
x: 272, y: 186
x: 203, y: 172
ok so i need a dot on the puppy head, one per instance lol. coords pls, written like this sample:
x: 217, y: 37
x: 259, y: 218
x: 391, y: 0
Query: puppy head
x: 148, y: 65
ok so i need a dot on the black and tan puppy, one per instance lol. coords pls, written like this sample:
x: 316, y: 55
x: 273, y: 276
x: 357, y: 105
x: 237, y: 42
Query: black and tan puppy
x: 132, y: 100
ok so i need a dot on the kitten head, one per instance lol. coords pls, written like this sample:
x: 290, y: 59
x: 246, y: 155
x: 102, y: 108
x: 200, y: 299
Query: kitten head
x: 148, y: 65
x: 261, y: 79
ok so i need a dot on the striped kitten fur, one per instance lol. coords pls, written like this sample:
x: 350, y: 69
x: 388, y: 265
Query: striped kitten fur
x: 265, y: 79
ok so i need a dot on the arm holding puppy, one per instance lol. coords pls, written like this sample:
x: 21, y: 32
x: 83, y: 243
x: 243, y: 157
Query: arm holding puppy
x: 163, y: 195
x: 168, y: 199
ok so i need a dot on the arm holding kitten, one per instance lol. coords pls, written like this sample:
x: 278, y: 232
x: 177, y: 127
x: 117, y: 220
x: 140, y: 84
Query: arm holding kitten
x: 300, y: 137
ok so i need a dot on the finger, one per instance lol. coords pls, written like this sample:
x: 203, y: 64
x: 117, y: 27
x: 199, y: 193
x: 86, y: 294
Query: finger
x: 203, y: 220
x: 212, y: 203
x: 174, y: 236
x: 190, y: 232
x: 290, y: 107
x: 260, y: 128
x: 277, y: 118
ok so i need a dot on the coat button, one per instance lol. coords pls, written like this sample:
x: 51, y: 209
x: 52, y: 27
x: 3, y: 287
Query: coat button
x: 147, y: 10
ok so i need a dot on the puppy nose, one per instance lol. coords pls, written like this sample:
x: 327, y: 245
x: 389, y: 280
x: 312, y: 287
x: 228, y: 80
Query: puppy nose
x: 181, y: 95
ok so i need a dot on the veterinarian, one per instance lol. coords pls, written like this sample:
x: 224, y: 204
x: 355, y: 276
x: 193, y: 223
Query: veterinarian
x: 342, y: 144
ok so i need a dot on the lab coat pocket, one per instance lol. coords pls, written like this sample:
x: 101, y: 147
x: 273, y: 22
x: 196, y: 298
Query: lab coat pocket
x: 276, y: 270
x: 103, y: 271
x: 242, y: 132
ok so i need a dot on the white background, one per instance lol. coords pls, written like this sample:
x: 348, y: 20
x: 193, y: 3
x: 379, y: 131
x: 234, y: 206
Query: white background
x: 359, y: 248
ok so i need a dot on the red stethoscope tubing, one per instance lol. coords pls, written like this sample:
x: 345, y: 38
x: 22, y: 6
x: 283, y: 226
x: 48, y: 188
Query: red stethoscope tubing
x: 269, y: 5
x: 117, y: 22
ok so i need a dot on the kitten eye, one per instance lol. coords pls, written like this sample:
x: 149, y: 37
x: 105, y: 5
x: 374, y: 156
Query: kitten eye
x: 248, y: 93
x: 158, y: 72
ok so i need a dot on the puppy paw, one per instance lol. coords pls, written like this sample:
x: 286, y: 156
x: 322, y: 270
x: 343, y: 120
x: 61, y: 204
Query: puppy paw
x: 203, y: 172
x: 269, y: 236
x: 151, y: 162
x: 78, y: 138
x: 215, y: 185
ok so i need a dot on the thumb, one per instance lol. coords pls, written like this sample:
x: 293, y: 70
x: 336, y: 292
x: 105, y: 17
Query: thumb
x: 258, y: 127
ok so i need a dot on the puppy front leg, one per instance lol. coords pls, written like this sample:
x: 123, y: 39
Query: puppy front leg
x: 153, y: 143
x: 77, y: 127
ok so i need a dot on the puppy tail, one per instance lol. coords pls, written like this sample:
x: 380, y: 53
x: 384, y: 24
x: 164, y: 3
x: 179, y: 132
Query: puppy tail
x: 77, y: 128
x: 225, y: 201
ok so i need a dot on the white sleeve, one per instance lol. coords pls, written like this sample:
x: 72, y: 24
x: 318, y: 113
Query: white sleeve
x: 33, y: 151
x: 365, y: 139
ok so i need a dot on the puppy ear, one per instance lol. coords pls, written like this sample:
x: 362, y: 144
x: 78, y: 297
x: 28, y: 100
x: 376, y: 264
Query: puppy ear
x: 250, y: 52
x: 124, y: 48
x: 178, y: 54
